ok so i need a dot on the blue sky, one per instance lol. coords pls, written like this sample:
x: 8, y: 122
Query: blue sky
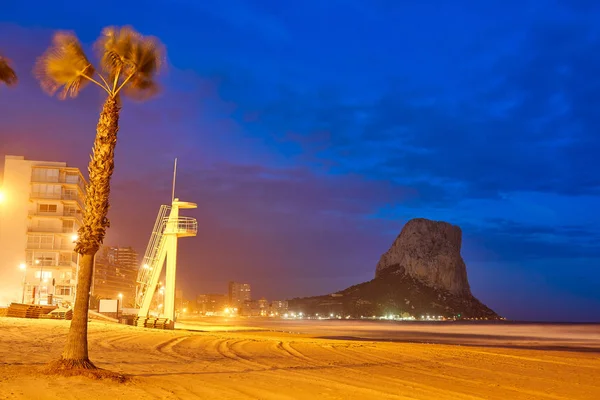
x: 310, y: 132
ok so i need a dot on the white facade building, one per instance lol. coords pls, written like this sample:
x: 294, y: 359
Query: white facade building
x: 41, y: 209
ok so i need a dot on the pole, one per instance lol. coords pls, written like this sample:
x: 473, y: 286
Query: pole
x: 40, y: 287
x: 174, y: 176
x: 24, y: 278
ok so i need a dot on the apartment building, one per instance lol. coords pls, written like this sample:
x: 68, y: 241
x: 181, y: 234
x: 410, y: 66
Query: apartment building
x: 40, y: 213
x: 278, y: 307
x: 212, y: 304
x: 115, y: 273
x: 238, y: 294
x: 254, y: 308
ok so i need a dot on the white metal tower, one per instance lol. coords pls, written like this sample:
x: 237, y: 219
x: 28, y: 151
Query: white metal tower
x: 163, y: 246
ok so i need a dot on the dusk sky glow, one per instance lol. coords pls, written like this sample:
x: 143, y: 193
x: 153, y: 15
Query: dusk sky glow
x: 310, y: 132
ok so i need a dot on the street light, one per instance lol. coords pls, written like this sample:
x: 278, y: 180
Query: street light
x: 23, y: 267
x: 2, y: 197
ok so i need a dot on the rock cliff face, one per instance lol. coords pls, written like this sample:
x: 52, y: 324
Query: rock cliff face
x: 428, y: 251
x: 422, y: 273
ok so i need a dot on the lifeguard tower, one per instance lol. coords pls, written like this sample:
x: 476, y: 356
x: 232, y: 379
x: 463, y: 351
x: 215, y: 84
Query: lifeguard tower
x: 168, y: 228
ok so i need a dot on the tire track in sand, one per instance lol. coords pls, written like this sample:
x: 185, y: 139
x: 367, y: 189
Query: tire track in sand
x: 288, y: 348
x: 167, y: 348
x: 225, y: 349
x: 108, y: 342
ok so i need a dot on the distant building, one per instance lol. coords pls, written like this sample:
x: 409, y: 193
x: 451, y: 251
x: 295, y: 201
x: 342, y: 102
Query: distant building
x: 262, y: 308
x: 115, y: 272
x: 278, y: 307
x: 211, y: 304
x: 179, y: 300
x: 238, y: 294
x: 250, y: 308
x: 41, y: 209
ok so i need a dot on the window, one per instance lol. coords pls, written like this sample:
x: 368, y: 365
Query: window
x: 44, y: 274
x: 71, y: 210
x: 46, y: 191
x: 43, y: 259
x: 49, y: 208
x: 63, y: 290
x: 71, y: 177
x: 44, y: 225
x: 45, y: 175
x: 68, y: 226
x: 66, y: 275
x: 40, y: 241
x: 65, y: 259
x: 70, y: 194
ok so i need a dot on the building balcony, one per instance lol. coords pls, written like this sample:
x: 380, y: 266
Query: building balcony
x: 38, y: 229
x: 50, y: 264
x: 46, y: 195
x: 63, y: 180
x: 66, y: 282
x: 65, y: 197
x: 67, y: 215
x: 50, y: 246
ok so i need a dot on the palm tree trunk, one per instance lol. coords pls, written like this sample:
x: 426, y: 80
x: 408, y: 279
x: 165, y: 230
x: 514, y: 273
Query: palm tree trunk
x: 75, y: 354
x: 91, y: 234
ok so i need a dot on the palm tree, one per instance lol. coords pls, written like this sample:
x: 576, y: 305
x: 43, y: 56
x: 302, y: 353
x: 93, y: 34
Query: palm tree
x: 129, y: 63
x: 7, y: 74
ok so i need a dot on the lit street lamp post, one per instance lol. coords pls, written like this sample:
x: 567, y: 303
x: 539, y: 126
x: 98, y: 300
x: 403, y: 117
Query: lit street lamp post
x: 120, y: 305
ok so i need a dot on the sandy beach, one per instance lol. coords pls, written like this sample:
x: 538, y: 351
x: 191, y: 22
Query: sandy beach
x: 268, y: 364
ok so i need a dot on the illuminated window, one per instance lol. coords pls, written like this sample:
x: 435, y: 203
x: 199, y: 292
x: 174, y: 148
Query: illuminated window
x: 45, y: 274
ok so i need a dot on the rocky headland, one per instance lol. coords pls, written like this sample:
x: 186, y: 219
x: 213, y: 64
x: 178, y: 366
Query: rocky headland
x: 421, y: 274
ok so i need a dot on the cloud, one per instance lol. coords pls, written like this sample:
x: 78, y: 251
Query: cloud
x: 531, y: 130
x: 517, y: 242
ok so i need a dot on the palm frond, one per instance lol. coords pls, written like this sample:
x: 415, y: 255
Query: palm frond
x: 114, y: 46
x: 146, y: 57
x: 137, y: 59
x: 64, y: 66
x: 7, y: 74
x: 140, y: 89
